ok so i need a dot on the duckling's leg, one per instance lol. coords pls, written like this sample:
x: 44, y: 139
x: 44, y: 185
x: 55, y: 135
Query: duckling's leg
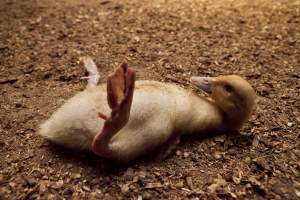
x: 120, y: 87
x: 91, y: 68
x: 168, y: 147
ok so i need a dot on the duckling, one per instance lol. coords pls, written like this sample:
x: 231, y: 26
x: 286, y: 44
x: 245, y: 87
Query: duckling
x: 124, y: 119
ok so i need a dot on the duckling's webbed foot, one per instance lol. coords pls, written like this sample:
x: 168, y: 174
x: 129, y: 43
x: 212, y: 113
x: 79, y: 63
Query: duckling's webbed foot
x: 120, y: 87
x: 168, y: 147
x: 91, y: 68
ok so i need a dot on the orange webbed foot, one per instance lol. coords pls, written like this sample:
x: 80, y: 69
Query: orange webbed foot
x: 91, y: 68
x: 120, y: 87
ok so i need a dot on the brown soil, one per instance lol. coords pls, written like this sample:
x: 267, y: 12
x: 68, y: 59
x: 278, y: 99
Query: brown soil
x: 41, y: 43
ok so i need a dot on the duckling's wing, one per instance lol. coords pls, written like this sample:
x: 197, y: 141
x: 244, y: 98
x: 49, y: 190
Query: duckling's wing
x: 90, y: 66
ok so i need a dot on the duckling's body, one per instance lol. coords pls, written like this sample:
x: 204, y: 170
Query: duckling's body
x: 160, y: 112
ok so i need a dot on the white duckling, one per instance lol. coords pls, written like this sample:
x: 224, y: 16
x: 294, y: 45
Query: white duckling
x: 124, y: 119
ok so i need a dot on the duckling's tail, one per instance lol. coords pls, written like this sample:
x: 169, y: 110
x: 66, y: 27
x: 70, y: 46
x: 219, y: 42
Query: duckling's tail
x: 65, y: 135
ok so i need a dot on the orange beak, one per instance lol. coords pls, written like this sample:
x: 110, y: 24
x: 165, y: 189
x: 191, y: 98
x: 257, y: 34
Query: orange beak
x: 204, y: 83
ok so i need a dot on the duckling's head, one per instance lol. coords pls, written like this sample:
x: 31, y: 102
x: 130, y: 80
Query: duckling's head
x: 232, y: 94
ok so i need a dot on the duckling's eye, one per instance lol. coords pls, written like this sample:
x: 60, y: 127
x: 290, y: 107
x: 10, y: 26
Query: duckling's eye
x: 228, y: 88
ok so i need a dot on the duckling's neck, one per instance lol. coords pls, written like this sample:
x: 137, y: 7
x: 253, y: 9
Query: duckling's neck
x: 204, y: 116
x: 235, y: 118
x: 208, y: 116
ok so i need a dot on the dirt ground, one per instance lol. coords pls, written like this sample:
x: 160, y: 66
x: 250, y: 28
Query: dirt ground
x: 41, y: 43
